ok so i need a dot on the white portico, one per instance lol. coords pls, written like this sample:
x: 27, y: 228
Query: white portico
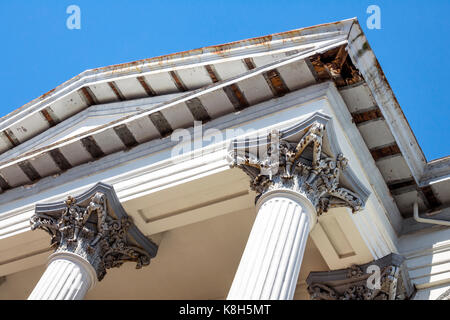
x: 303, y: 164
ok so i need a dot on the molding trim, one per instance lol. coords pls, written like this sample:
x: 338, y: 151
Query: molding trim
x: 138, y: 173
x: 364, y: 59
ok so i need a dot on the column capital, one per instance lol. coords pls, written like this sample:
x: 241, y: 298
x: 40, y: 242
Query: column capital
x: 299, y: 160
x: 94, y: 227
x: 382, y: 279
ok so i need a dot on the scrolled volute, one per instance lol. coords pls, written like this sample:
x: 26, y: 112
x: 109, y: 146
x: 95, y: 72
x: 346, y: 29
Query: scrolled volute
x: 92, y: 229
x: 284, y: 166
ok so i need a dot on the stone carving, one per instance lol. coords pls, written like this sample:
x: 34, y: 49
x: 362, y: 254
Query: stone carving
x: 354, y: 271
x: 354, y: 284
x: 90, y: 231
x: 284, y: 167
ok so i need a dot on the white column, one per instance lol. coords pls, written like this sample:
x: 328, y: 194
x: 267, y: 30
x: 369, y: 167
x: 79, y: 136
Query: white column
x: 67, y: 277
x: 273, y: 255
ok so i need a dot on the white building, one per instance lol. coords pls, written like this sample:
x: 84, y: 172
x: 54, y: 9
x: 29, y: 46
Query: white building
x: 304, y: 164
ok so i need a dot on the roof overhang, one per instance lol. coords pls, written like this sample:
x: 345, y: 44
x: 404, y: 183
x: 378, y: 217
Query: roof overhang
x: 173, y: 91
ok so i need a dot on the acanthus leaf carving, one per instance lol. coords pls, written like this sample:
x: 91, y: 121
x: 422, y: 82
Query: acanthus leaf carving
x: 93, y: 233
x: 284, y: 167
x: 389, y: 282
x: 359, y: 290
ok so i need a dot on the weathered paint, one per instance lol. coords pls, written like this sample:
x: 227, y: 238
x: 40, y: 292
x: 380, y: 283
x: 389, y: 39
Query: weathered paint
x: 125, y: 136
x: 197, y: 109
x: 161, y: 123
x: 276, y: 83
x: 148, y: 89
x: 385, y: 151
x: 92, y: 147
x: 60, y: 159
x: 368, y: 115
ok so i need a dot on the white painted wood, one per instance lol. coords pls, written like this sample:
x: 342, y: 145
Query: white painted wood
x: 169, y: 106
x: 89, y: 118
x: 273, y: 255
x: 427, y: 254
x: 67, y: 277
x: 391, y: 220
x: 376, y: 133
x: 364, y: 59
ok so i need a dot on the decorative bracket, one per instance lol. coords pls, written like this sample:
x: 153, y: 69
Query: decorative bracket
x: 95, y: 226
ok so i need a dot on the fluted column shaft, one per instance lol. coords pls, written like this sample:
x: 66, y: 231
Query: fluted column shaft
x: 67, y: 277
x: 271, y: 261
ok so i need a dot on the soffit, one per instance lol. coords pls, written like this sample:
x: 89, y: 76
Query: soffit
x: 212, y: 82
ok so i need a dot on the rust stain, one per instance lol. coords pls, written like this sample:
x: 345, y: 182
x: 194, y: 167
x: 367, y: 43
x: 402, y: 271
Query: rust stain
x: 372, y: 114
x: 116, y: 91
x: 92, y: 147
x: 386, y: 151
x: 166, y: 59
x: 47, y: 94
x: 234, y: 89
x: 149, y: 90
x: 249, y: 63
x: 433, y: 202
x: 335, y: 64
x: 88, y: 95
x: 276, y: 83
x: 176, y: 79
x: 11, y: 137
x: 243, y: 103
x: 221, y: 49
x: 212, y: 74
x: 367, y: 47
x: 48, y: 117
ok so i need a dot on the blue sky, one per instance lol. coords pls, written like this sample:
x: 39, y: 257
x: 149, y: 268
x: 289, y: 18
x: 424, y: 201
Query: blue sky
x: 39, y: 52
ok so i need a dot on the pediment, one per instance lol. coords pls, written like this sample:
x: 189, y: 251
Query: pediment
x: 84, y: 121
x: 180, y: 72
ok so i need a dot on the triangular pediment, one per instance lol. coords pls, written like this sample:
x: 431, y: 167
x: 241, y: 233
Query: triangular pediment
x: 84, y: 121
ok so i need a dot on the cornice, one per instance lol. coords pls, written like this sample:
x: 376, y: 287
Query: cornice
x: 366, y: 62
x: 280, y: 42
x: 140, y: 172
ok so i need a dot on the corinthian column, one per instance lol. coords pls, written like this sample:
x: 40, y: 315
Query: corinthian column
x: 271, y: 261
x: 68, y: 277
x: 295, y: 182
x: 90, y: 233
